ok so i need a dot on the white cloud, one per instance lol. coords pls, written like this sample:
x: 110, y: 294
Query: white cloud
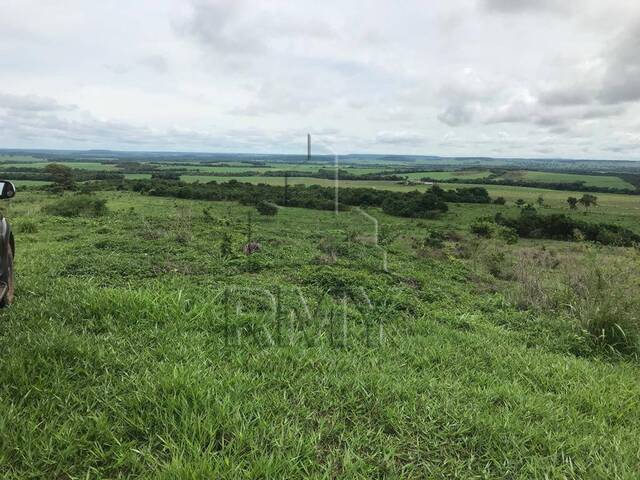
x: 221, y: 75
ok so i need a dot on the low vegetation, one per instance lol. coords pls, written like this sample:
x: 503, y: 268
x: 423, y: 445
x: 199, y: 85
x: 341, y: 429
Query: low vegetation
x: 530, y: 224
x: 171, y: 330
x: 77, y: 205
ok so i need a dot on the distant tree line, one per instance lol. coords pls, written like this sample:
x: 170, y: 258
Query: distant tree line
x: 331, y: 174
x: 53, y: 174
x: 406, y: 204
x: 575, y: 186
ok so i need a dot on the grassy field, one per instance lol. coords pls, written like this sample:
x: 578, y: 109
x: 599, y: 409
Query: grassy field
x: 610, y: 205
x: 448, y: 175
x: 127, y: 354
x: 281, y: 167
x: 606, y: 181
x: 137, y: 176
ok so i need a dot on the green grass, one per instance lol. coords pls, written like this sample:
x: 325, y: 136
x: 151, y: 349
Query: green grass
x: 386, y: 185
x: 137, y: 176
x: 448, y: 175
x: 277, y: 167
x: 27, y: 183
x: 606, y: 181
x: 616, y: 205
x: 114, y: 361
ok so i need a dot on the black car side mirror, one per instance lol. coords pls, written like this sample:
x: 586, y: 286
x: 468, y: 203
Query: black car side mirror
x: 7, y: 190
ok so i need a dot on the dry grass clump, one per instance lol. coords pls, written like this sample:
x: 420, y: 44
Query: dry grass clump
x: 600, y: 293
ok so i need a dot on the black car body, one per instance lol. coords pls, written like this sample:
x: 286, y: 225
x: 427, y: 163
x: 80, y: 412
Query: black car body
x: 7, y: 249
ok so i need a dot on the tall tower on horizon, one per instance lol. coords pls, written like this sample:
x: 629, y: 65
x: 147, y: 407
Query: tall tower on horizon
x: 308, y: 147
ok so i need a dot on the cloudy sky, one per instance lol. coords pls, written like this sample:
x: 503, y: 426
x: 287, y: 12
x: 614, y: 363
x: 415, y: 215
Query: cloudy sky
x: 533, y: 78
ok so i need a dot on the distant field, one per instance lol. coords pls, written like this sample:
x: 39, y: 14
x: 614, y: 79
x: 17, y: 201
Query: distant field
x: 470, y: 174
x: 137, y: 176
x: 277, y: 168
x: 18, y: 158
x: 215, y: 169
x: 605, y: 181
x: 80, y: 165
x: 609, y: 203
x: 301, y: 181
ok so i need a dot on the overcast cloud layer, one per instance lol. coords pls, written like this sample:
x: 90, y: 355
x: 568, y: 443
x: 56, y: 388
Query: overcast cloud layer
x: 528, y: 78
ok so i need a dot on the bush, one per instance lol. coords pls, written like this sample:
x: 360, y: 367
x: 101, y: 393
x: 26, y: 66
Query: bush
x: 77, y: 205
x: 508, y: 234
x: 434, y: 239
x: 266, y: 208
x: 482, y: 229
x: 561, y: 227
x: 500, y: 201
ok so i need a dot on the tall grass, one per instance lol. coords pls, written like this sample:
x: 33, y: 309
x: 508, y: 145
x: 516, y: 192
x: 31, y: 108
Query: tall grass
x: 77, y: 205
x: 600, y: 293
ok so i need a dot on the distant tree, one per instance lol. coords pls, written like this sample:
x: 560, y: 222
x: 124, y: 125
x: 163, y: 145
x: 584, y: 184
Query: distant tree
x: 587, y: 200
x: 61, y: 175
x: 499, y: 201
x: 165, y: 176
x: 573, y: 203
x: 520, y: 203
x: 266, y: 208
x: 540, y: 201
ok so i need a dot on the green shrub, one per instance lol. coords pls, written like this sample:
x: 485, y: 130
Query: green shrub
x: 266, y: 208
x: 77, y: 205
x: 482, y: 229
x: 434, y: 239
x: 562, y: 227
x: 509, y: 235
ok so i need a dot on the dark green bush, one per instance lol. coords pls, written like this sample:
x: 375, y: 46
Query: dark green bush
x: 508, y: 234
x: 77, y: 205
x: 561, y: 227
x: 266, y: 208
x: 482, y: 229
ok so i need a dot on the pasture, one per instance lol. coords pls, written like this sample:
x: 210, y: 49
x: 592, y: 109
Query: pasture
x: 118, y: 359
